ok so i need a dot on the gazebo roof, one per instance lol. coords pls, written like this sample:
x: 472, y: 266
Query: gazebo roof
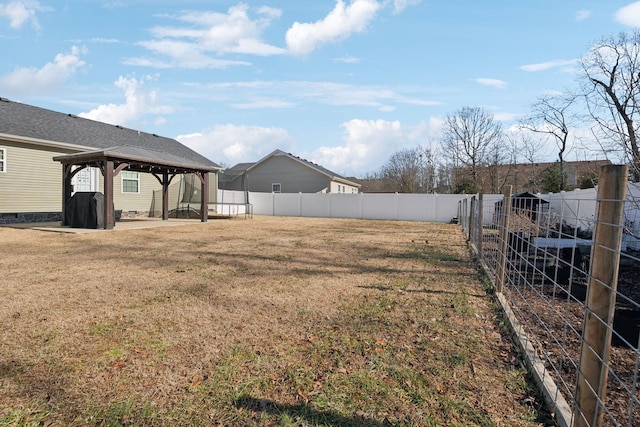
x: 139, y: 159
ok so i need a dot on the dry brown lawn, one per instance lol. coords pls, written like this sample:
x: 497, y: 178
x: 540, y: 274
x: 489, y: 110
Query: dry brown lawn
x: 267, y: 321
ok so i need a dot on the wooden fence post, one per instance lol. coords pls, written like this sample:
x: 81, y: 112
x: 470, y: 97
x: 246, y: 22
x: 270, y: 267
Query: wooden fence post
x: 505, y: 211
x: 601, y: 297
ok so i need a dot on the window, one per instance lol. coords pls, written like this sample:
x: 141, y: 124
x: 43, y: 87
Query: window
x: 276, y: 188
x: 130, y: 182
x: 3, y: 160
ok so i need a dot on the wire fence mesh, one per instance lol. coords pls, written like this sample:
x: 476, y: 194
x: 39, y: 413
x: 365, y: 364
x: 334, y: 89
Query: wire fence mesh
x: 575, y: 297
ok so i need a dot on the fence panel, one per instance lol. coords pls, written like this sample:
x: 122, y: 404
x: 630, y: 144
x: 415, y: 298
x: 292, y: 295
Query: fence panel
x: 413, y: 207
x: 345, y: 205
x: 262, y: 203
x: 231, y: 196
x: 286, y: 204
x: 380, y: 206
x: 549, y: 272
x: 404, y: 207
x: 313, y: 206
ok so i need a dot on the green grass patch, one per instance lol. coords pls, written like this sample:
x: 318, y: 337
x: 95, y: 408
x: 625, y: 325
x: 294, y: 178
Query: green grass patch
x: 26, y: 417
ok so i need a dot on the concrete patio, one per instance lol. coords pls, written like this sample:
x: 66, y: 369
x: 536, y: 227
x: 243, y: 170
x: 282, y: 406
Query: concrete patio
x: 124, y: 224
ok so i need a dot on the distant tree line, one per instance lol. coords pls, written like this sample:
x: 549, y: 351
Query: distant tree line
x: 475, y: 154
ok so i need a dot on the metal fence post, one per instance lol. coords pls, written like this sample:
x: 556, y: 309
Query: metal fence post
x: 472, y: 222
x: 601, y: 297
x: 464, y: 219
x: 479, y: 220
x: 505, y: 211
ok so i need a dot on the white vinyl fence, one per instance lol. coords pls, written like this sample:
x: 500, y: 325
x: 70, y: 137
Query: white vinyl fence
x: 402, y: 207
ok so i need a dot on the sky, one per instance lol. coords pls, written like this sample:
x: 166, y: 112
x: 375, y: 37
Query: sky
x: 342, y: 83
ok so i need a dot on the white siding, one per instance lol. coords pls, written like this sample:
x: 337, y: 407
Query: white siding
x: 339, y: 187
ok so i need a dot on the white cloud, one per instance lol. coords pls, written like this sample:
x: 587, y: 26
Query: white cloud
x: 206, y: 33
x: 49, y: 78
x: 499, y: 84
x: 400, y: 5
x: 138, y: 103
x: 114, y: 4
x: 347, y: 60
x: 504, y: 116
x: 290, y: 93
x: 340, y: 23
x: 270, y: 11
x: 379, y: 97
x: 181, y: 54
x: 263, y: 103
x: 104, y: 40
x: 231, y: 144
x: 21, y: 12
x: 582, y: 15
x: 368, y: 144
x: 567, y: 65
x: 629, y: 15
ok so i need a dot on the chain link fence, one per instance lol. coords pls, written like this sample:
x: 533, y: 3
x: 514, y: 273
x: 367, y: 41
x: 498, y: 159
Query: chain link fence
x: 566, y: 269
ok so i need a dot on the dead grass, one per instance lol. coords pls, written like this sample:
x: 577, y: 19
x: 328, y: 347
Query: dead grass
x: 269, y: 321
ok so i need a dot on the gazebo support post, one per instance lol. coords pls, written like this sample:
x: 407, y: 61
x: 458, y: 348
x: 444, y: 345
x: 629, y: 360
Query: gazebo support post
x: 109, y: 214
x: 67, y: 189
x: 204, y: 195
x: 165, y: 195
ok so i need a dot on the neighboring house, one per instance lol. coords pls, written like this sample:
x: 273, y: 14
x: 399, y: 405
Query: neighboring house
x: 33, y: 184
x: 281, y: 172
x: 530, y: 176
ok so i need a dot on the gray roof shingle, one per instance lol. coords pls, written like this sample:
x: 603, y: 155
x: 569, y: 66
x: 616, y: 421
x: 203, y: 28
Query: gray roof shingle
x: 23, y: 120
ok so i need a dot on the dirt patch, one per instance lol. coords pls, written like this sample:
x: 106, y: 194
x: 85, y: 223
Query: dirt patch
x: 268, y: 321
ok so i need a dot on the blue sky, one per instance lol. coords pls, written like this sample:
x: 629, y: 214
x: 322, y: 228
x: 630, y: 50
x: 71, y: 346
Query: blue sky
x: 344, y: 83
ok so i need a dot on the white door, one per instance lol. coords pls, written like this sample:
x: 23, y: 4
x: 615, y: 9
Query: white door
x: 86, y: 180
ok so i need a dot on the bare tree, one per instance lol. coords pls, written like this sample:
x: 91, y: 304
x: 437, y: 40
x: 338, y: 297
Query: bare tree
x: 528, y: 149
x: 551, y: 116
x: 410, y: 171
x: 468, y: 135
x: 501, y: 160
x: 611, y: 83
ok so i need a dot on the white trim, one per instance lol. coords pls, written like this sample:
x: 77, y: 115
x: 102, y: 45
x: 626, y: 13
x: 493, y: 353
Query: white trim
x: 3, y: 160
x: 122, y: 179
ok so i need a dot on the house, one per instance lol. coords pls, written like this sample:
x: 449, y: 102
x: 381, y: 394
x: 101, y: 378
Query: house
x: 47, y: 156
x: 530, y: 176
x: 281, y: 172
